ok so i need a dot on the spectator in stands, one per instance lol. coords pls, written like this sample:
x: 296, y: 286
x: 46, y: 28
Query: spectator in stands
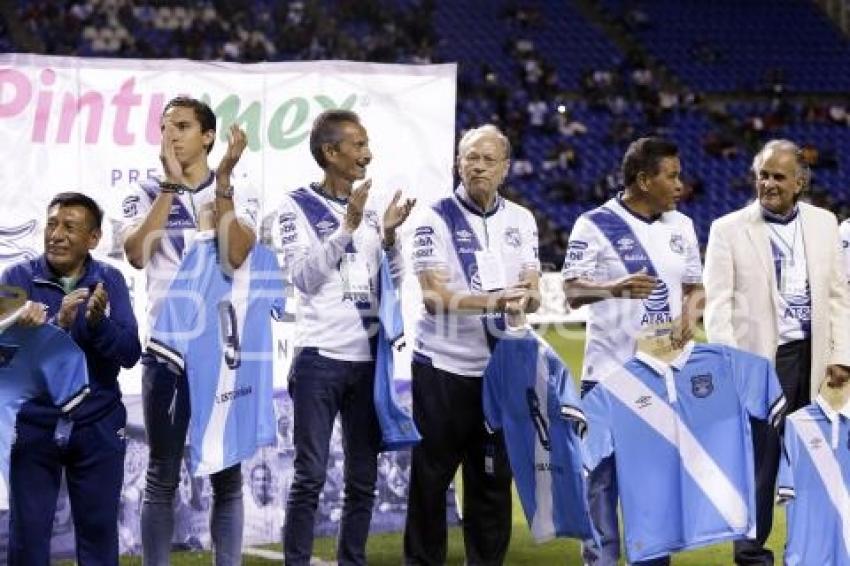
x: 778, y: 258
x: 498, y: 240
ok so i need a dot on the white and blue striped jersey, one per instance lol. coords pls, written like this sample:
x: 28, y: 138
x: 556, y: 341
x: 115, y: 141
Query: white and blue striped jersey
x: 310, y: 234
x: 180, y: 228
x: 794, y: 307
x: 217, y: 328
x: 40, y: 361
x: 531, y: 397
x: 814, y: 481
x: 446, y: 239
x: 683, y: 445
x: 610, y: 242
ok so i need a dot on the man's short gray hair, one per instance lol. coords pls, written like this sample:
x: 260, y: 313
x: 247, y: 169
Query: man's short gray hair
x: 491, y: 129
x: 783, y: 145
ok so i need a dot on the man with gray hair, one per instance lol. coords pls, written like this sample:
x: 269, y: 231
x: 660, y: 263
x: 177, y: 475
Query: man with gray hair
x: 475, y: 255
x: 333, y: 239
x: 775, y: 287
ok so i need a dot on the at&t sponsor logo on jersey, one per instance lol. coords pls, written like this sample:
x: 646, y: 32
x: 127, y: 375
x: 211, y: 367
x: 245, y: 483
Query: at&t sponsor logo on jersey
x: 657, y: 306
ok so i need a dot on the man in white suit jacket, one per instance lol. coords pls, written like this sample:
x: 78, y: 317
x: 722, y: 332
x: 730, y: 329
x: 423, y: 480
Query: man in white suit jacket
x: 774, y: 286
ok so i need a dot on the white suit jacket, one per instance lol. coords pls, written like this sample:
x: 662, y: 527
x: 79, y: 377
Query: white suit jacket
x: 741, y: 290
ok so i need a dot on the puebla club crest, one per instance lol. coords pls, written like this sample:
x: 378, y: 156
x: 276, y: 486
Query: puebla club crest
x: 702, y: 385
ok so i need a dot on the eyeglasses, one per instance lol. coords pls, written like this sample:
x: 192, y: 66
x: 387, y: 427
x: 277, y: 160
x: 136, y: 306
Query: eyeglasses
x: 486, y: 160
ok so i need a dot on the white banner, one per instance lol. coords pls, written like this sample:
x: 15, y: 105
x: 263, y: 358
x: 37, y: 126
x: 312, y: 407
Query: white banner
x: 93, y: 125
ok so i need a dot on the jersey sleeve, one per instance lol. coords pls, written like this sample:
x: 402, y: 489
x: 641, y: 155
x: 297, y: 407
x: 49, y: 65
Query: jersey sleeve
x: 246, y: 204
x: 62, y: 366
x: 599, y: 440
x: 757, y: 385
x: 430, y: 243
x: 785, y: 488
x: 693, y: 263
x: 570, y: 406
x: 844, y: 233
x: 175, y: 324
x: 135, y: 207
x: 584, y: 252
x: 530, y: 244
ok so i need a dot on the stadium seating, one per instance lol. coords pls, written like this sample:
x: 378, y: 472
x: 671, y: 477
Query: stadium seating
x: 543, y: 51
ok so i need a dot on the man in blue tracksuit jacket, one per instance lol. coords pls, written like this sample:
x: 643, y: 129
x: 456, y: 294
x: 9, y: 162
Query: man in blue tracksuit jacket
x: 90, y: 300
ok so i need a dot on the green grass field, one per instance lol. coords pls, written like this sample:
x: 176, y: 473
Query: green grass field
x: 385, y: 549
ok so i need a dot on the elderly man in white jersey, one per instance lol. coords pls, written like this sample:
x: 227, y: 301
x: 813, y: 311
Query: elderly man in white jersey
x: 775, y: 286
x: 476, y: 256
x: 161, y: 219
x: 333, y: 240
x: 635, y: 260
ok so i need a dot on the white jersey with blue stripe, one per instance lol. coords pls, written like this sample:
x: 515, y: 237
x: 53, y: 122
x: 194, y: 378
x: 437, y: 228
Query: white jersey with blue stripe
x: 180, y: 228
x: 217, y: 328
x: 683, y: 445
x: 531, y: 397
x: 446, y: 239
x: 794, y: 307
x: 610, y: 242
x: 41, y: 361
x: 310, y: 234
x: 814, y: 481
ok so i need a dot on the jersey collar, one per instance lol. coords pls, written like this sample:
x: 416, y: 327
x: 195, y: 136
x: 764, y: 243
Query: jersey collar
x: 642, y: 218
x: 45, y: 274
x: 466, y: 201
x: 660, y: 367
x: 834, y: 418
x: 774, y: 218
x: 831, y: 413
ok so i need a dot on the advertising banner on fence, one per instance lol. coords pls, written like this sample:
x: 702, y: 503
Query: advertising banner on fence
x: 93, y: 125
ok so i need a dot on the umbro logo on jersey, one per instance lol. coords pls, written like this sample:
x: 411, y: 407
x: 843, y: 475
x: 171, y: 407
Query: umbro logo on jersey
x: 463, y: 235
x: 677, y: 244
x: 643, y: 401
x: 325, y: 227
x: 625, y: 244
x: 7, y: 352
x: 702, y: 385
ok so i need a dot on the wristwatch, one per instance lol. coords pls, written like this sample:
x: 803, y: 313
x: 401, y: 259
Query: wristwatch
x: 224, y: 193
x: 166, y: 187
